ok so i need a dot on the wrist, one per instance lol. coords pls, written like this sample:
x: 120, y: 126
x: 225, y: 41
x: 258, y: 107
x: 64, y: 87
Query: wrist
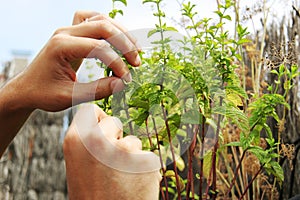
x: 14, y: 97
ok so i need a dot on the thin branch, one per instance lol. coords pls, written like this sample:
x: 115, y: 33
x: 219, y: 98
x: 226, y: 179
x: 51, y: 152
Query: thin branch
x: 172, y: 151
x: 236, y: 172
x: 161, y: 162
x: 250, y: 183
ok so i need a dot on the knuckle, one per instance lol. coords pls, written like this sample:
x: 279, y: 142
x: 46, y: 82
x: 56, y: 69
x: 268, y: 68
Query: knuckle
x: 101, y: 16
x: 56, y: 41
x: 78, y: 14
x: 105, y: 25
x: 59, y: 31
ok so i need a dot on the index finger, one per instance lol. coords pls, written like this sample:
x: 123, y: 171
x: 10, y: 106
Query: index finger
x: 119, y: 26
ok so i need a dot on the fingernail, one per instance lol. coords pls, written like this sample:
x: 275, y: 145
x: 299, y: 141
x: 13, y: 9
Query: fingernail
x: 118, y: 123
x: 117, y: 85
x: 127, y: 77
x: 138, y: 60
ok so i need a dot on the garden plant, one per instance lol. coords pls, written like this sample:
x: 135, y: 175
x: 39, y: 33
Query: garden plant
x: 204, y: 108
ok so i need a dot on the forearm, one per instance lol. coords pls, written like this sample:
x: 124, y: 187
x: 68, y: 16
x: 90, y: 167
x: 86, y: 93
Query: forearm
x: 13, y: 112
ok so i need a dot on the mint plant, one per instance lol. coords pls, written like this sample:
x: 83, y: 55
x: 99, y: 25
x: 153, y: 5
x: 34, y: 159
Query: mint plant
x: 192, y: 109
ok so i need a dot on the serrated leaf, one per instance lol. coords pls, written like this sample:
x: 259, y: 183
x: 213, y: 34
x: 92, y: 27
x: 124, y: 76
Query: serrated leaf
x: 234, y: 98
x: 278, y: 170
x: 141, y: 118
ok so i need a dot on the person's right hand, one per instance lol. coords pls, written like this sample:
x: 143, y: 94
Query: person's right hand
x: 49, y: 80
x: 101, y: 164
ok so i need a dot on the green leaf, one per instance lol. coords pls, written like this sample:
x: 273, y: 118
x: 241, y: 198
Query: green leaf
x: 170, y: 28
x: 242, y: 31
x: 234, y: 144
x: 281, y: 69
x: 271, y: 141
x: 228, y: 17
x: 180, y: 163
x: 120, y: 11
x: 191, y: 117
x: 268, y: 130
x: 239, y: 57
x: 171, y: 174
x: 243, y: 41
x: 152, y: 32
x: 141, y: 118
x: 219, y: 13
x: 149, y: 1
x: 207, y: 162
x: 122, y: 1
x: 278, y: 170
x: 228, y: 4
x: 274, y: 72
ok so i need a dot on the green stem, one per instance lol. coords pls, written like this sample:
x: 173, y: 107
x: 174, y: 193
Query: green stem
x: 127, y: 115
x: 161, y: 32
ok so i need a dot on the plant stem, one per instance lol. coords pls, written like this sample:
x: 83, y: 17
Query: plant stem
x: 127, y: 114
x: 214, y: 155
x: 161, y: 162
x: 236, y: 172
x: 148, y: 134
x: 250, y: 183
x: 190, y: 176
x: 161, y: 33
x: 202, y: 136
x: 172, y: 150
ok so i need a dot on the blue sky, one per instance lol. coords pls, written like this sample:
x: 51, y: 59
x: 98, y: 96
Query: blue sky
x: 28, y: 24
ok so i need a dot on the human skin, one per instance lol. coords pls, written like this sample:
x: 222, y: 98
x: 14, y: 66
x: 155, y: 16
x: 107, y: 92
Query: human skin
x: 48, y: 82
x: 95, y: 180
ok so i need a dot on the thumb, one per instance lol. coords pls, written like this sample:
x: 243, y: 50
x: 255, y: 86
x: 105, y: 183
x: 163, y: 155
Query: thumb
x: 83, y: 92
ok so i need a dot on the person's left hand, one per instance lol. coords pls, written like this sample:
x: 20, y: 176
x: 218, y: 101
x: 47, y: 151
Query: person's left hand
x: 49, y: 80
x: 102, y: 164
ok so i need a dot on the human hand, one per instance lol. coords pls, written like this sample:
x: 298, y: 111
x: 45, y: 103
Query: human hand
x: 101, y: 164
x: 49, y: 80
